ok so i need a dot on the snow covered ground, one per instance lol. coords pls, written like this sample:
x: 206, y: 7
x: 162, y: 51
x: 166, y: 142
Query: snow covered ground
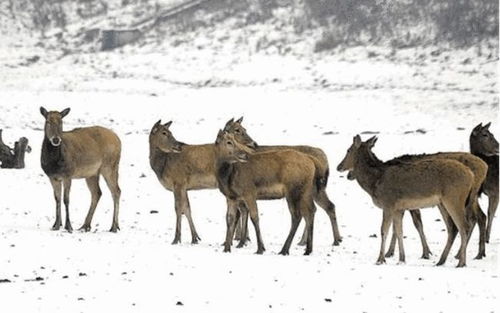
x: 321, y: 100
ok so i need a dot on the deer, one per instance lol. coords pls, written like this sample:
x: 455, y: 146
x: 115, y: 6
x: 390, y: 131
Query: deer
x: 244, y: 176
x: 484, y: 145
x: 477, y: 166
x: 321, y: 198
x: 87, y: 153
x: 413, y: 185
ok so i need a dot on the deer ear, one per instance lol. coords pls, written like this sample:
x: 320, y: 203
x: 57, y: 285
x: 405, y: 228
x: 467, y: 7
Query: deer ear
x: 228, y: 123
x: 487, y: 126
x: 44, y: 112
x: 371, y: 142
x: 167, y: 124
x: 356, y: 140
x: 155, y: 126
x: 240, y: 120
x: 65, y: 112
x: 477, y: 128
x: 219, y: 136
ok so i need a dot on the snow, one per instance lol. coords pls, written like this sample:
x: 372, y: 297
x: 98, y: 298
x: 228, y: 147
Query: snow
x: 285, y: 99
x: 138, y: 270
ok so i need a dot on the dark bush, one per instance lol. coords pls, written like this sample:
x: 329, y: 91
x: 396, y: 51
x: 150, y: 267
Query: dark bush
x: 461, y: 22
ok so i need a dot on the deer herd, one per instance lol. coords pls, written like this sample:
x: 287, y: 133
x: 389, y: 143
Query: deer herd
x: 245, y: 172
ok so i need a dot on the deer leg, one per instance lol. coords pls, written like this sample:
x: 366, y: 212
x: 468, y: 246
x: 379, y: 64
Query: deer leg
x: 417, y: 221
x: 321, y: 198
x: 461, y: 223
x: 187, y: 211
x: 111, y: 178
x: 481, y: 222
x: 242, y: 221
x: 392, y: 245
x: 231, y: 221
x: 254, y: 216
x: 452, y: 233
x: 492, y: 208
x: 178, y: 215
x: 67, y: 189
x: 384, y: 229
x: 303, y: 239
x: 295, y: 221
x: 56, y: 186
x: 95, y: 192
x: 398, y: 229
x: 309, y: 218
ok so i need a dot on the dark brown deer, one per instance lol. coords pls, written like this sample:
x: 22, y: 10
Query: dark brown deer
x: 484, y: 145
x: 80, y: 153
x: 244, y: 176
x: 321, y: 198
x: 413, y: 185
x: 478, y: 167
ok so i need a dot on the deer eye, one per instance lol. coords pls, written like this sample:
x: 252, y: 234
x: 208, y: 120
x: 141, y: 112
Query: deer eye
x: 229, y: 143
x: 237, y: 131
x: 164, y: 133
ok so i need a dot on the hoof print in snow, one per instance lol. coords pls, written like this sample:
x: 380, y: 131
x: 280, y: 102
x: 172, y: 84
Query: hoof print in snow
x: 153, y: 212
x: 373, y: 236
x: 142, y: 175
x: 328, y: 300
x: 179, y: 303
x: 81, y: 299
x: 4, y: 281
x: 65, y: 277
x: 370, y: 132
x: 82, y: 274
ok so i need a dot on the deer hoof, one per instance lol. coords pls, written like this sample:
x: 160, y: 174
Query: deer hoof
x: 56, y: 226
x: 283, y: 252
x: 380, y: 261
x: 69, y: 228
x: 114, y: 229
x: 389, y: 254
x: 85, y: 228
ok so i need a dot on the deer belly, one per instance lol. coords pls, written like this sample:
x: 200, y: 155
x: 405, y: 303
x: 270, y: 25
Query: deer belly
x: 270, y: 192
x: 417, y: 203
x: 87, y: 170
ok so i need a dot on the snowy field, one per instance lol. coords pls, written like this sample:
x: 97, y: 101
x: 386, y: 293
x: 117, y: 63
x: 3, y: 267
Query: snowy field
x: 320, y: 101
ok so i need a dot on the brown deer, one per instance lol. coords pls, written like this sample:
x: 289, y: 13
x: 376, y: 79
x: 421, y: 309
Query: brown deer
x: 484, y: 145
x: 80, y: 153
x: 321, y: 198
x: 478, y: 167
x: 413, y: 185
x: 244, y: 176
x: 179, y: 168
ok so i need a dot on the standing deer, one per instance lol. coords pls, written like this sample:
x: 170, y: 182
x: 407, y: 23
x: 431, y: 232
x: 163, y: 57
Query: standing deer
x: 80, y: 153
x: 478, y: 168
x: 320, y: 197
x: 413, y: 185
x: 244, y: 176
x: 484, y: 145
x: 181, y: 167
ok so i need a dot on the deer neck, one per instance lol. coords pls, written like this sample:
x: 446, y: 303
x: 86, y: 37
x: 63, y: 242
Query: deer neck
x: 225, y: 171
x: 158, y: 160
x: 368, y: 170
x: 53, y: 158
